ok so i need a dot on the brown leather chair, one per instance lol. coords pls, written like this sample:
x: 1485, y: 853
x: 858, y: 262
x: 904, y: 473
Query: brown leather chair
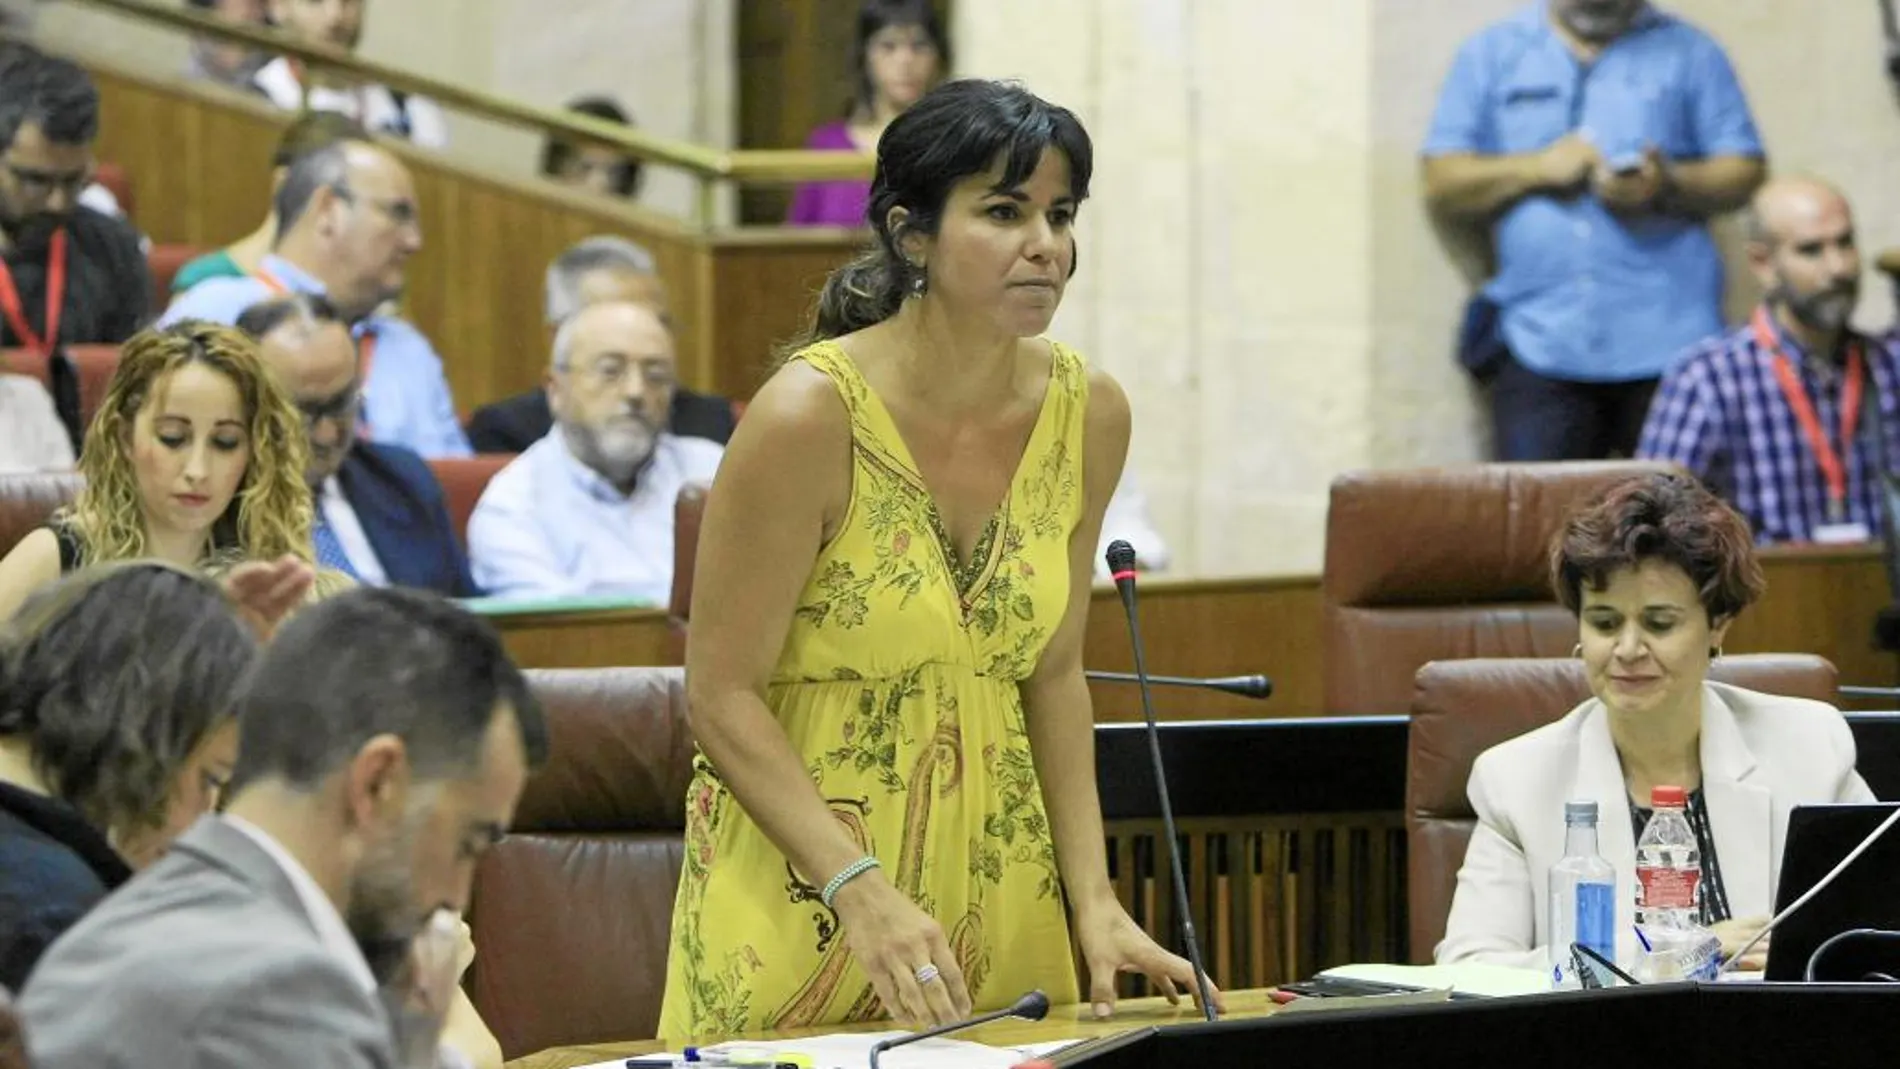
x: 1462, y: 708
x: 1444, y: 564
x: 164, y: 262
x: 29, y: 500
x: 113, y: 177
x: 463, y: 479
x: 689, y: 509
x: 572, y: 912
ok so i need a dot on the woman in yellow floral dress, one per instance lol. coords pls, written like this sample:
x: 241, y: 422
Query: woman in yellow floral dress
x: 894, y: 812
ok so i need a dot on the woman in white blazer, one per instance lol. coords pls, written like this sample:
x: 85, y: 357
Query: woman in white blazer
x: 1656, y: 571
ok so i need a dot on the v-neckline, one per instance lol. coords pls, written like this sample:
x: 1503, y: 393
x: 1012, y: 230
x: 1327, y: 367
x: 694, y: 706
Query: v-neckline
x: 965, y: 576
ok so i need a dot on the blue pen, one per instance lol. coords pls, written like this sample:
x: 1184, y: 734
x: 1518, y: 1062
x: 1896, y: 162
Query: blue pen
x: 1643, y: 940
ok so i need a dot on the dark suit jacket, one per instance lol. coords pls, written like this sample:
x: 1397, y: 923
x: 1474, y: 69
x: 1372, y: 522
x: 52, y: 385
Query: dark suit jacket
x: 511, y: 426
x: 207, y: 959
x: 402, y: 510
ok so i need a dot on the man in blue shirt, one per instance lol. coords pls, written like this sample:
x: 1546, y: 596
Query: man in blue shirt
x: 1794, y: 416
x: 347, y: 226
x: 1595, y: 138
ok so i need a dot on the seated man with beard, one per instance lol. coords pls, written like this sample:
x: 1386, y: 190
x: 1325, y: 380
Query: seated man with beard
x: 1778, y: 416
x: 588, y: 510
x: 385, y: 737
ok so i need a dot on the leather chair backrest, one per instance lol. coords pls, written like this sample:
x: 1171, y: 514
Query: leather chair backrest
x: 572, y: 912
x: 688, y: 510
x: 1445, y: 564
x: 463, y: 479
x: 29, y: 500
x: 113, y: 177
x: 1462, y: 708
x: 96, y: 365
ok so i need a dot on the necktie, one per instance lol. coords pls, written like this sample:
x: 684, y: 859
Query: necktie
x: 330, y: 548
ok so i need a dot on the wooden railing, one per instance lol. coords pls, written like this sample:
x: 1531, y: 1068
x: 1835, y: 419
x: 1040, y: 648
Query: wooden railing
x: 707, y: 165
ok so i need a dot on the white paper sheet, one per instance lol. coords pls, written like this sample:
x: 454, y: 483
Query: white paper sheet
x: 853, y: 1051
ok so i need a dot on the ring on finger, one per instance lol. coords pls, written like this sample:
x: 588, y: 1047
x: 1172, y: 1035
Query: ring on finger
x: 927, y: 973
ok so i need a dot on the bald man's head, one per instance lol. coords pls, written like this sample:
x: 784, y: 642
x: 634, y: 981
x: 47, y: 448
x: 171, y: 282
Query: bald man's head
x: 1801, y: 248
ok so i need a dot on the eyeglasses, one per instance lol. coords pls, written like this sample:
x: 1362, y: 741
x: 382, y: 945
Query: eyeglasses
x: 613, y: 372
x: 395, y: 209
x: 37, y: 183
x: 344, y: 407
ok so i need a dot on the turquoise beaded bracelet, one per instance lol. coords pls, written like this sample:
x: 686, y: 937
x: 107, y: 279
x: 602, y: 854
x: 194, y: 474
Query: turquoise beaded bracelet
x: 846, y: 875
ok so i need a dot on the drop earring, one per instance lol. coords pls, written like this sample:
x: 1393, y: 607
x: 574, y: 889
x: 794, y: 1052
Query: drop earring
x: 919, y: 280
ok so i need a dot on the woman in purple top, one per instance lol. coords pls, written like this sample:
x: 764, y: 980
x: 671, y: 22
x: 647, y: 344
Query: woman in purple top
x: 901, y: 53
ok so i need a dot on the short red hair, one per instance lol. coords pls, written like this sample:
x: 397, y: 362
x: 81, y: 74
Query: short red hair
x: 1659, y: 516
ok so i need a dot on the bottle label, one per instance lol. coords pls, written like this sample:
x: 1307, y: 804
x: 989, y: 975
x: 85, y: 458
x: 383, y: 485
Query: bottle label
x: 1596, y: 917
x: 1662, y: 887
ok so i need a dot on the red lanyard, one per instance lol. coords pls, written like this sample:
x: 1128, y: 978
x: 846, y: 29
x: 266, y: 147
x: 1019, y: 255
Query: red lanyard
x: 55, y: 300
x: 365, y: 345
x: 1832, y: 467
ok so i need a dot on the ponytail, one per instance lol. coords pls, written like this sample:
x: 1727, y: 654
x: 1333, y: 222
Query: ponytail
x: 862, y: 293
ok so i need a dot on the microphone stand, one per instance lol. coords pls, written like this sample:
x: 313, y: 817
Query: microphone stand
x: 1121, y: 564
x: 1257, y: 687
x: 1031, y: 1007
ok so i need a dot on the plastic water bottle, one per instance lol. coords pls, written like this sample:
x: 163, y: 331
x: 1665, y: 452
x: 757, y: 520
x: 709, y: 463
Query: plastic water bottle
x: 1669, y: 896
x: 1582, y: 896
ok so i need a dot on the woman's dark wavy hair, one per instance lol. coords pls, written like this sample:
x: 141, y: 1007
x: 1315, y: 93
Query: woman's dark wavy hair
x: 1660, y: 516
x: 878, y: 15
x: 956, y: 130
x: 114, y: 675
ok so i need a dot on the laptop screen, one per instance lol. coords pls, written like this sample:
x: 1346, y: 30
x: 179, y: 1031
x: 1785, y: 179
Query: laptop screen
x: 1865, y: 895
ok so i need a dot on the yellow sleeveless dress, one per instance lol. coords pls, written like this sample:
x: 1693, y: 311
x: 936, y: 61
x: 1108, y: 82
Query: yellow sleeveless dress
x: 899, y: 686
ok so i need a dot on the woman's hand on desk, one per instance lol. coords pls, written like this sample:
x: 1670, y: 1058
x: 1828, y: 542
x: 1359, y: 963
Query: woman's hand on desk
x: 893, y: 941
x: 1112, y: 943
x: 1735, y: 933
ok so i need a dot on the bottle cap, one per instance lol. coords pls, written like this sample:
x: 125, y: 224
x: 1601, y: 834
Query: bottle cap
x: 1672, y: 797
x: 1582, y: 812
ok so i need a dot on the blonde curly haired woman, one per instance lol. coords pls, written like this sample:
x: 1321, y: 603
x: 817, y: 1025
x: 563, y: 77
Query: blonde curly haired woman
x: 196, y: 457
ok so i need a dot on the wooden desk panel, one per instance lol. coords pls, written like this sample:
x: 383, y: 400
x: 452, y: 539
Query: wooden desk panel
x: 1819, y: 600
x: 1064, y: 1022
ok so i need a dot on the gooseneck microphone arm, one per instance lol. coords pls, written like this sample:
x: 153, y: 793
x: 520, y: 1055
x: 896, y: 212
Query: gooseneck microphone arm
x: 1121, y: 566
x: 1241, y: 686
x: 1031, y: 1007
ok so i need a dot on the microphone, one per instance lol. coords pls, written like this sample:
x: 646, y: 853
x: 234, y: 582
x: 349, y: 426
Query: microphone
x: 1121, y: 567
x: 1242, y: 686
x: 1031, y: 1007
x: 1819, y: 886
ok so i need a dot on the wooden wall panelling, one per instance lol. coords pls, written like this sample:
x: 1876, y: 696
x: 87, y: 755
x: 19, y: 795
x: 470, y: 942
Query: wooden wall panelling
x: 604, y: 638
x: 198, y: 160
x: 1823, y: 599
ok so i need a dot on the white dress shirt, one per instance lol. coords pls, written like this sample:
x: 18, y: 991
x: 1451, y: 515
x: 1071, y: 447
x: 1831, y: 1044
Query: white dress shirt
x: 548, y: 526
x: 31, y: 436
x: 371, y: 105
x: 350, y: 534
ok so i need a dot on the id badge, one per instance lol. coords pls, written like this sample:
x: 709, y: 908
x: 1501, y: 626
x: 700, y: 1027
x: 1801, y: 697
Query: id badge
x: 1832, y: 534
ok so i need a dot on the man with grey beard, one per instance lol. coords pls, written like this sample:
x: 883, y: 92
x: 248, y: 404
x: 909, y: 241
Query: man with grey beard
x: 588, y: 510
x: 1791, y: 417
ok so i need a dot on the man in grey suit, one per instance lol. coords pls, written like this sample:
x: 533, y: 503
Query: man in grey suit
x: 386, y: 739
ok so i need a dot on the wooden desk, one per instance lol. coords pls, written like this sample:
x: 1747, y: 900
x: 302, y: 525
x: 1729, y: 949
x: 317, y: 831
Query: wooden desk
x: 1063, y: 1022
x: 590, y: 638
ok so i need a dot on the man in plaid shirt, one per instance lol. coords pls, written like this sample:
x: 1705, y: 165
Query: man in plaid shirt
x: 1782, y: 415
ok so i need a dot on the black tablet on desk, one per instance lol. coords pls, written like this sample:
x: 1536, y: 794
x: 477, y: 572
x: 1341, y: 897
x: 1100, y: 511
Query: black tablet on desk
x: 1865, y: 895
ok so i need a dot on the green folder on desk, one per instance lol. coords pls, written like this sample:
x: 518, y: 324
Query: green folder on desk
x: 493, y: 606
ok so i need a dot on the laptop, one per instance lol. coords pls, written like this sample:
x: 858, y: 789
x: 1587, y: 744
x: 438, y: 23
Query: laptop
x: 1865, y: 895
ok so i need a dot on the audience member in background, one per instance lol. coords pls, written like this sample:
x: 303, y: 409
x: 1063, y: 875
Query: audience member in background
x: 50, y: 244
x: 596, y: 168
x: 889, y: 613
x: 1655, y: 569
x: 385, y: 739
x: 196, y: 458
x: 116, y: 732
x: 233, y: 66
x: 1778, y: 416
x: 380, y: 514
x: 588, y: 510
x: 1591, y: 140
x: 901, y: 51
x: 382, y: 110
x: 32, y: 436
x: 348, y: 225
x: 306, y: 133
x: 600, y: 268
